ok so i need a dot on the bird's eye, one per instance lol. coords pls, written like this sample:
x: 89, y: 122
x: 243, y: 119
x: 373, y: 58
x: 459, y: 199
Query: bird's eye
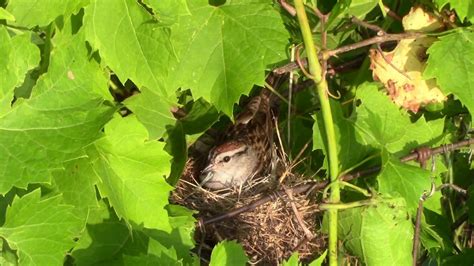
x: 226, y: 159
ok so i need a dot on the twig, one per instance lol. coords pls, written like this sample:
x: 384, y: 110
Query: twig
x: 453, y: 187
x: 373, y: 40
x: 318, y: 13
x: 289, y: 8
x: 343, y: 49
x: 307, y: 233
x: 392, y: 14
x: 369, y: 26
x: 462, y: 219
x: 416, y: 237
x: 419, y: 212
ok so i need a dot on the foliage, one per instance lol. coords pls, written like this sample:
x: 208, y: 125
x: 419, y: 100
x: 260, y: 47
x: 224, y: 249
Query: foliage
x: 92, y: 143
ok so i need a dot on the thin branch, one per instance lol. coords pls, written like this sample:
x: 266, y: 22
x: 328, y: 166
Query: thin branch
x: 318, y: 13
x: 416, y: 237
x: 369, y: 26
x: 373, y: 40
x: 289, y: 8
x: 309, y: 235
x: 454, y: 187
x: 344, y: 49
x: 392, y: 14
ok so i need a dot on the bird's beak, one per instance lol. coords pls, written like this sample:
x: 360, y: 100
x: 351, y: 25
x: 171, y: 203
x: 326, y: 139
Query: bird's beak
x: 207, y: 169
x: 206, y: 174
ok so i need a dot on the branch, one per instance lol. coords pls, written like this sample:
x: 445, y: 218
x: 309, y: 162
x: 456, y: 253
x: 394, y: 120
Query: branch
x: 289, y: 8
x: 343, y: 49
x: 373, y: 40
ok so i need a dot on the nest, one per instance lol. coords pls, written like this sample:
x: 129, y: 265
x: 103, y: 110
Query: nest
x: 270, y: 232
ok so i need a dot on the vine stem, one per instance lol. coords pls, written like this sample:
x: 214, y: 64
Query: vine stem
x: 322, y: 89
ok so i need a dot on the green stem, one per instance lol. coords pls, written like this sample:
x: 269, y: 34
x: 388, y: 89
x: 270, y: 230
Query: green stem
x: 322, y: 88
x: 359, y: 164
x: 356, y: 188
x: 345, y: 206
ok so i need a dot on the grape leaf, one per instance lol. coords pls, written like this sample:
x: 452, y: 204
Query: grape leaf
x: 41, y: 230
x: 454, y: 52
x: 470, y: 203
x: 228, y: 253
x: 181, y: 238
x: 400, y: 179
x: 101, y: 242
x: 168, y: 11
x: 348, y: 8
x: 148, y: 259
x: 292, y: 261
x: 132, y: 172
x: 151, y: 111
x: 464, y: 9
x: 30, y: 13
x: 378, y: 234
x: 466, y: 258
x: 139, y: 49
x: 319, y: 261
x: 347, y: 138
x: 17, y: 56
x: 223, y: 51
x: 65, y: 113
x: 76, y: 182
x: 376, y: 123
x: 380, y: 122
x: 6, y: 15
x: 200, y: 118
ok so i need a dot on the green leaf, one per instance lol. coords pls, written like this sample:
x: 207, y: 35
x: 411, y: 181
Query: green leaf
x: 30, y: 13
x: 375, y: 124
x: 147, y: 259
x: 455, y: 52
x: 347, y: 138
x: 381, y: 123
x: 6, y: 15
x: 223, y: 51
x: 379, y: 234
x: 228, y: 253
x: 168, y: 255
x: 180, y: 240
x: 17, y: 56
x: 168, y: 11
x: 101, y: 242
x: 41, y: 230
x: 65, y: 113
x: 292, y: 261
x: 464, y: 9
x: 400, y: 179
x: 8, y: 256
x: 139, y: 50
x: 466, y: 258
x: 76, y: 183
x: 200, y: 118
x: 152, y: 111
x: 470, y: 203
x: 132, y: 172
x: 436, y: 234
x: 177, y: 147
x: 349, y: 8
x: 319, y: 261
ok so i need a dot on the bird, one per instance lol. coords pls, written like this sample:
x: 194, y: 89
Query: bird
x: 246, y: 148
